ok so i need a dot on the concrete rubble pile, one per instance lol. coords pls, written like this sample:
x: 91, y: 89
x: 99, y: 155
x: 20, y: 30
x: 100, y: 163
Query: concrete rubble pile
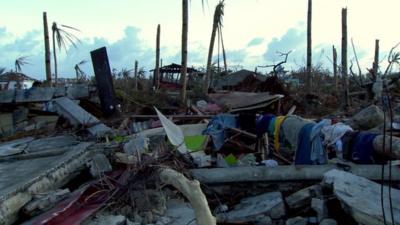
x: 246, y: 163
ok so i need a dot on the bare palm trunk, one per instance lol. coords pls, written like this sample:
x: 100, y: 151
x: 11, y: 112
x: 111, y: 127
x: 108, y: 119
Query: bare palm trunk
x: 309, y: 47
x: 136, y: 75
x: 335, y: 75
x: 223, y: 50
x: 375, y: 65
x: 185, y: 24
x: 55, y: 57
x: 47, y: 48
x: 207, y: 81
x: 344, y: 60
x: 157, y: 70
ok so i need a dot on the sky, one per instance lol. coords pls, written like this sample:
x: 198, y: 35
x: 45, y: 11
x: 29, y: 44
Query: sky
x: 254, y: 31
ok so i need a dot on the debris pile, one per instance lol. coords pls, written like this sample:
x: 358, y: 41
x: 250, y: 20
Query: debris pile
x: 230, y: 158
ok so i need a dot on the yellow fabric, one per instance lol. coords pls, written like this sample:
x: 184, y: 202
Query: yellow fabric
x: 278, y: 122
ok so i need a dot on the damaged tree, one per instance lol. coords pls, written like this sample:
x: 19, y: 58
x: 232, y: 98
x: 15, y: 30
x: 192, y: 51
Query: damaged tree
x: 309, y: 47
x: 217, y: 22
x: 185, y: 24
x: 46, y: 48
x: 345, y: 78
x: 157, y: 70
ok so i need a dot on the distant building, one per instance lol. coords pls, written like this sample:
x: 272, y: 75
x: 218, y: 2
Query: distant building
x: 13, y: 80
x: 242, y: 80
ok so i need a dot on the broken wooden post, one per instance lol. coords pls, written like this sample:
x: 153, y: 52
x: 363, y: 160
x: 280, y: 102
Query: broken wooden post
x: 375, y: 65
x: 104, y: 80
x: 192, y: 191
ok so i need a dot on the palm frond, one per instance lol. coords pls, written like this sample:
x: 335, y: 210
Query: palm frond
x: 19, y: 62
x: 2, y: 70
x: 64, y: 37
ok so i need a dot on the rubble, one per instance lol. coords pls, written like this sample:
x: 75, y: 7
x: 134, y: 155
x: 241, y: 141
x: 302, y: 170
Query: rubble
x: 303, y: 197
x: 268, y: 204
x: 226, y: 158
x: 359, y: 197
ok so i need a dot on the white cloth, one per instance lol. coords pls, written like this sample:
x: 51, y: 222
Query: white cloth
x: 334, y: 132
x: 174, y: 133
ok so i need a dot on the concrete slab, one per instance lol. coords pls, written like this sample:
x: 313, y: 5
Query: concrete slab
x: 7, y: 96
x: 34, y: 95
x: 73, y: 112
x: 78, y: 91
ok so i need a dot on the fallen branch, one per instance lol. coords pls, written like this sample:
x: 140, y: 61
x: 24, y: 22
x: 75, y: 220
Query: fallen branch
x: 192, y: 191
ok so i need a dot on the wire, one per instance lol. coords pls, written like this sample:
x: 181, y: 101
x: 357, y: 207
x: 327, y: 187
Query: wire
x: 383, y: 164
x: 390, y: 161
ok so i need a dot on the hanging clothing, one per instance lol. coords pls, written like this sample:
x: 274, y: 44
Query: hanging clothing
x: 334, y: 132
x: 271, y: 127
x: 278, y: 122
x: 216, y: 128
x: 363, y: 148
x: 290, y: 128
x: 262, y: 124
x: 318, y: 153
x: 247, y: 122
x: 303, y: 153
x: 348, y: 143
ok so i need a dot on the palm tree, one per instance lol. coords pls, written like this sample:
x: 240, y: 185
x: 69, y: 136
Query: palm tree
x: 80, y: 75
x: 19, y: 62
x: 309, y: 50
x: 157, y: 70
x: 185, y: 23
x: 217, y: 22
x: 47, y: 48
x: 62, y: 38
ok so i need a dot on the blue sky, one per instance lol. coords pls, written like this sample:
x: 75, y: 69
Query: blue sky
x: 254, y: 31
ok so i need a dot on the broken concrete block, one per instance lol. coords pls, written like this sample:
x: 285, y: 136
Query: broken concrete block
x: 328, y: 222
x: 180, y: 212
x: 6, y: 124
x: 78, y: 91
x: 320, y: 207
x: 14, y: 147
x: 201, y: 159
x: 34, y: 95
x: 110, y: 220
x: 270, y: 204
x: 367, y: 118
x: 45, y: 202
x: 138, y: 145
x: 100, y: 130
x: 297, y: 221
x: 99, y: 164
x: 7, y: 96
x: 73, y: 112
x: 303, y: 197
x: 48, y: 122
x: 20, y: 115
x: 359, y: 197
x: 263, y: 220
